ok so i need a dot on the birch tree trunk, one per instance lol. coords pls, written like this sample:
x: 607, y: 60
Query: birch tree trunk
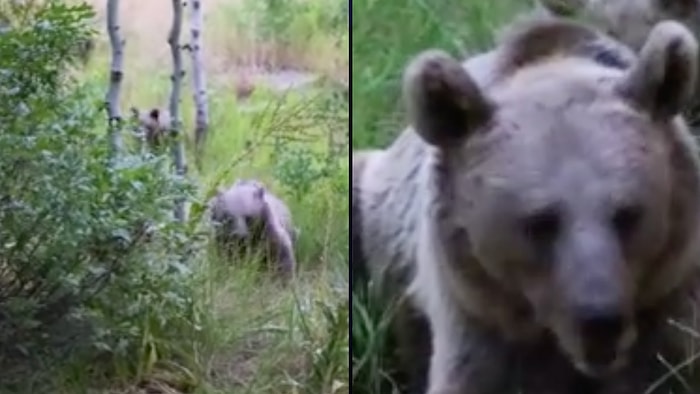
x: 178, y: 148
x: 116, y: 76
x: 199, y: 81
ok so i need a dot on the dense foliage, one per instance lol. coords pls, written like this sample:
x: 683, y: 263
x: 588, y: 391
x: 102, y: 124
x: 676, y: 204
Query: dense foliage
x: 83, y: 266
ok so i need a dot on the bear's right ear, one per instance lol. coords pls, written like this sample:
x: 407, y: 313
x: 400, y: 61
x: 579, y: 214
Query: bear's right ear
x: 444, y: 103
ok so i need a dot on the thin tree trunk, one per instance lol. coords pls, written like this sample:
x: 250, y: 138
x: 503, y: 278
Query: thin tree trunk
x: 116, y: 76
x: 199, y: 81
x: 178, y: 147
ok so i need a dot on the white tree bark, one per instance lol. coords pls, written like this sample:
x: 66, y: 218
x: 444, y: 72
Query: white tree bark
x: 178, y: 147
x: 116, y: 76
x: 199, y: 82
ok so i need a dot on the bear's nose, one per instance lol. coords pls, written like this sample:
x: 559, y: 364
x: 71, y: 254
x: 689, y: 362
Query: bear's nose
x: 601, y: 327
x: 600, y: 331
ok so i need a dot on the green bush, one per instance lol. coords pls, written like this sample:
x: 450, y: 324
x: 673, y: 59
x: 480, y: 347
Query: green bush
x: 280, y: 19
x: 92, y: 265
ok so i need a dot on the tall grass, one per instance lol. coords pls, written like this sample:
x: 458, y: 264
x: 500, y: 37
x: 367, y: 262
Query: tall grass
x: 387, y: 34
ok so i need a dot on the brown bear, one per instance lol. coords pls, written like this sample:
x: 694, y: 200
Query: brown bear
x: 541, y: 211
x: 247, y: 217
x: 154, y: 124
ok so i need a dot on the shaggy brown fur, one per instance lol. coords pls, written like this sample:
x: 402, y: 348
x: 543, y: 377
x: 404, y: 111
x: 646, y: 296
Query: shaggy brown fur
x: 410, y: 331
x: 154, y: 123
x: 359, y: 272
x: 544, y: 206
x: 247, y: 217
x: 630, y: 21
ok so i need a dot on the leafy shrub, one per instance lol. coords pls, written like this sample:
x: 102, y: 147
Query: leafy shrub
x: 92, y: 265
x: 286, y: 21
x: 300, y: 162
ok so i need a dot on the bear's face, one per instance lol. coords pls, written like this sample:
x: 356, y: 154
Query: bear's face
x: 566, y: 202
x: 558, y: 180
x: 239, y: 210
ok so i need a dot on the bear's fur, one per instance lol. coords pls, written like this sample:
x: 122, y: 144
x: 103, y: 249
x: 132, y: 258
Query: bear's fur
x: 247, y: 216
x: 629, y: 21
x: 410, y: 331
x: 541, y: 210
x: 358, y: 269
x: 154, y: 124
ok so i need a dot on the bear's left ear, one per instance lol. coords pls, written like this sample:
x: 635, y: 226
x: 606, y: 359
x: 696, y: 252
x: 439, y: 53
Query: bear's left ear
x: 444, y: 103
x: 154, y: 114
x: 663, y: 81
x: 566, y: 8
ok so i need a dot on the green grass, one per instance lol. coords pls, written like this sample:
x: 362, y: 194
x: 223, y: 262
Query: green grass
x: 387, y: 35
x: 254, y: 335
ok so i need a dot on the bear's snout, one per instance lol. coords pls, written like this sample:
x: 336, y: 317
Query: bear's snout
x: 601, y: 330
x: 605, y: 335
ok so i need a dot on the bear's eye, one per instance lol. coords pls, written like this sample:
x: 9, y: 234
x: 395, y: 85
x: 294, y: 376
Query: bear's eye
x: 542, y: 227
x: 626, y: 219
